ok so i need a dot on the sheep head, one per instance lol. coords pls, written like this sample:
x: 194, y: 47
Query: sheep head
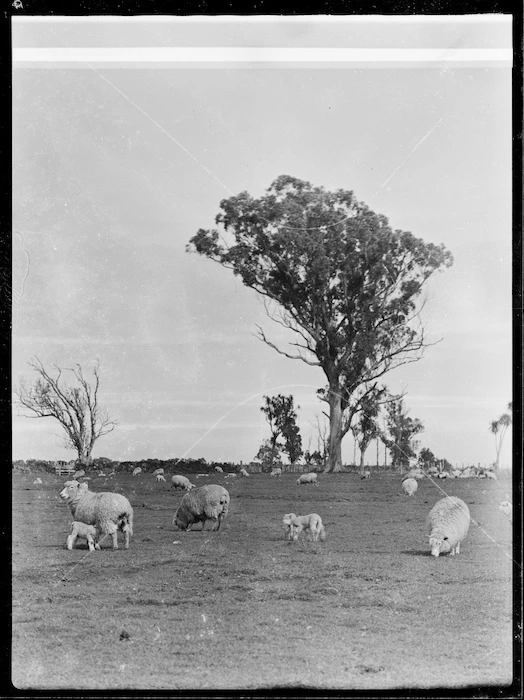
x: 439, y: 545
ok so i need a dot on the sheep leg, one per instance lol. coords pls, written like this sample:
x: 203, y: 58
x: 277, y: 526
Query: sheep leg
x: 126, y: 542
x: 71, y: 541
x: 203, y: 524
x: 457, y: 548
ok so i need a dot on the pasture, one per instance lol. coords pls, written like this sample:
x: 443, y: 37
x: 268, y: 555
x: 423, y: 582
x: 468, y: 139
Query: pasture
x: 244, y: 608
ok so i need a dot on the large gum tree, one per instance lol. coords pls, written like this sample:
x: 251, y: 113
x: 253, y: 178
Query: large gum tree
x: 337, y: 276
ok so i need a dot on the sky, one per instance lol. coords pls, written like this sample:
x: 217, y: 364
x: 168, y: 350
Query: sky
x: 119, y: 158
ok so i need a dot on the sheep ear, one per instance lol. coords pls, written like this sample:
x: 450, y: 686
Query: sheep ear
x: 445, y: 538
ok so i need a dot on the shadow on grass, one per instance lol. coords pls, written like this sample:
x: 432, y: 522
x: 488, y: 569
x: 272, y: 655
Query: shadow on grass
x: 417, y: 552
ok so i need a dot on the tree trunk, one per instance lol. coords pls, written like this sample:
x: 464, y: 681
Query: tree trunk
x: 334, y: 463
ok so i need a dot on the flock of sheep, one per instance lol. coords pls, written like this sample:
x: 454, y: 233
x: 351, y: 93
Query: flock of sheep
x: 97, y: 515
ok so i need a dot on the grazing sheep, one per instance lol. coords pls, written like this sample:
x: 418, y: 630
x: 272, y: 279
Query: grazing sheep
x: 312, y: 523
x: 219, y: 470
x: 491, y: 475
x: 210, y: 502
x: 231, y: 474
x: 443, y: 475
x: 506, y: 508
x: 244, y: 472
x: 448, y: 524
x: 181, y: 482
x: 79, y: 473
x: 88, y: 532
x: 310, y: 478
x: 410, y: 486
x: 108, y: 511
x: 160, y: 477
x: 38, y: 480
x: 137, y: 471
x: 276, y: 471
x: 101, y: 474
x: 158, y: 471
x: 365, y: 475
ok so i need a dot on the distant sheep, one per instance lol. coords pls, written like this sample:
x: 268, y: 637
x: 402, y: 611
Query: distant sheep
x: 448, y: 524
x: 79, y: 473
x: 506, y: 508
x: 231, y: 475
x: 199, y: 475
x: 108, y: 511
x: 101, y: 474
x: 219, y: 470
x: 87, y: 532
x: 365, y: 474
x: 243, y: 472
x: 160, y: 477
x: 158, y: 471
x: 210, y: 502
x: 491, y: 475
x: 299, y: 523
x: 181, y: 482
x: 276, y: 471
x: 38, y: 480
x: 310, y: 478
x: 410, y: 486
x: 443, y: 475
x: 137, y: 471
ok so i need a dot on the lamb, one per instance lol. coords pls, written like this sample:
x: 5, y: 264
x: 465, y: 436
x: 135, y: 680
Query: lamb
x: 79, y: 473
x: 311, y: 522
x: 276, y: 471
x: 365, y: 474
x: 506, y: 508
x: 448, y: 524
x: 288, y: 528
x: 210, y: 502
x: 219, y: 470
x: 137, y: 471
x: 410, y: 486
x: 310, y: 478
x: 160, y: 477
x: 244, y: 472
x: 108, y: 511
x: 181, y: 482
x: 88, y: 532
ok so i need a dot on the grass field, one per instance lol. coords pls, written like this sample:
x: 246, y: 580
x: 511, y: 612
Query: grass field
x: 244, y: 608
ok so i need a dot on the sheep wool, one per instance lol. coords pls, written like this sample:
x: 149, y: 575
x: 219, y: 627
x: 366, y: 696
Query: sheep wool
x: 210, y: 502
x: 410, y: 486
x: 277, y: 471
x: 310, y: 478
x: 108, y: 512
x: 87, y: 532
x: 448, y: 524
x: 136, y: 471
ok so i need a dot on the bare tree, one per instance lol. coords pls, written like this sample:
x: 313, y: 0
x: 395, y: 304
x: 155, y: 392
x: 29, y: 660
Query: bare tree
x: 74, y: 407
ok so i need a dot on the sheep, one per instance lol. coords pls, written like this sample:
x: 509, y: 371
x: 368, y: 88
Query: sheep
x: 88, y: 532
x: 365, y: 474
x: 219, y: 470
x: 231, y: 475
x: 448, y: 524
x: 506, y: 508
x: 491, y: 475
x: 79, y: 473
x: 210, y: 502
x: 158, y: 471
x: 244, y: 472
x: 310, y: 478
x: 443, y: 475
x: 38, y: 480
x: 181, y: 482
x: 137, y: 471
x: 199, y: 475
x: 298, y: 523
x: 101, y: 474
x: 160, y: 477
x: 276, y: 471
x: 108, y: 511
x: 410, y: 486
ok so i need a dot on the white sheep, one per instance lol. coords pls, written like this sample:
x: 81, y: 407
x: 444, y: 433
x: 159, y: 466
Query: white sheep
x: 181, y: 482
x: 448, y: 524
x: 410, y: 486
x: 443, y: 475
x: 158, y: 471
x: 231, y: 474
x: 298, y: 523
x: 219, y: 470
x: 38, y: 480
x: 101, y: 474
x: 108, y: 511
x: 160, y: 477
x: 506, y: 508
x: 310, y: 478
x: 79, y: 473
x: 210, y: 502
x: 276, y: 471
x: 365, y: 474
x: 244, y: 472
x: 491, y: 475
x: 136, y: 471
x: 88, y: 532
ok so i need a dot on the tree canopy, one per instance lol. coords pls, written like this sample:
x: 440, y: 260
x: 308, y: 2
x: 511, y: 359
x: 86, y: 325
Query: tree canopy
x: 334, y: 273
